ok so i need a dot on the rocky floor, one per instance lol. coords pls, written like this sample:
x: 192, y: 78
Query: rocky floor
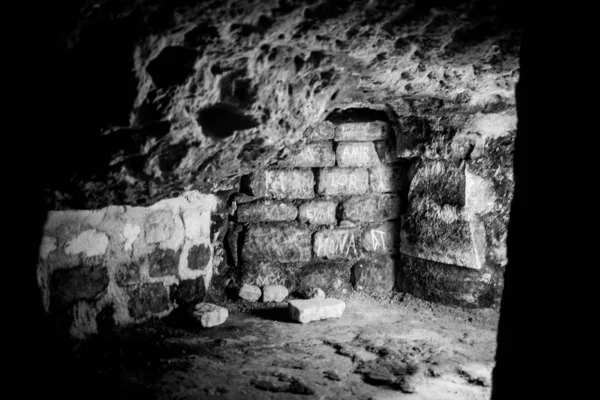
x: 389, y: 347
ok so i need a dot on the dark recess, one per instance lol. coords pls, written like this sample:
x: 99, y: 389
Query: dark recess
x: 221, y: 120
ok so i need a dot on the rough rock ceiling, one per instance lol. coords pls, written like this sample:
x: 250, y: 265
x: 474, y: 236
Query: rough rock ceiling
x: 175, y: 95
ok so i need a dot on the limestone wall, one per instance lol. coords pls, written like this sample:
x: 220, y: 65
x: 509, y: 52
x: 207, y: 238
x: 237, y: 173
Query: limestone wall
x: 418, y: 202
x: 126, y: 264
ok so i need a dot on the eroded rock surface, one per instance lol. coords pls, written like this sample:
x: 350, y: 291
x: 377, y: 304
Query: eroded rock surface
x: 172, y: 96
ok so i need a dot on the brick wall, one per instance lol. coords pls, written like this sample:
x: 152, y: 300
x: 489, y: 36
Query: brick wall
x: 327, y: 214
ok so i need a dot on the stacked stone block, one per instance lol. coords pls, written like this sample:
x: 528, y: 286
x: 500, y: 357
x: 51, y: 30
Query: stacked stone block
x: 335, y: 203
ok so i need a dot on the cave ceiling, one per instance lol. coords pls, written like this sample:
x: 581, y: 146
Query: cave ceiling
x: 167, y: 96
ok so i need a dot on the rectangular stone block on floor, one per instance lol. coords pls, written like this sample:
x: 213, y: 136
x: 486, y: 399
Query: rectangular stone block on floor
x: 356, y: 154
x: 388, y: 178
x: 305, y: 311
x: 283, y: 184
x: 267, y: 211
x: 372, y: 207
x: 343, y: 181
x: 312, y: 155
x: 334, y: 244
x: 383, y: 238
x: 361, y: 131
x: 318, y: 212
x: 277, y: 243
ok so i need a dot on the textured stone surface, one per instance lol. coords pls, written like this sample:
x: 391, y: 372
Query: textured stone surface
x: 336, y: 244
x: 277, y: 243
x: 435, y: 226
x: 318, y: 212
x: 190, y: 113
x: 159, y: 226
x: 361, y: 131
x: 343, y: 181
x: 372, y: 207
x: 198, y: 257
x: 449, y: 284
x: 383, y: 238
x: 127, y: 274
x: 90, y: 242
x: 210, y: 315
x: 321, y: 131
x: 276, y: 293
x: 333, y: 277
x: 106, y: 257
x: 374, y: 274
x: 163, y: 263
x: 250, y: 292
x: 312, y: 155
x: 313, y: 293
x: 356, y: 154
x: 283, y: 184
x: 148, y: 299
x: 187, y: 291
x: 316, y: 309
x: 74, y: 284
x: 269, y: 273
x: 267, y: 210
x: 388, y: 178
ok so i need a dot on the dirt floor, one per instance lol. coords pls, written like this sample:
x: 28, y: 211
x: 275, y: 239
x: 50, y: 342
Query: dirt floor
x: 391, y: 347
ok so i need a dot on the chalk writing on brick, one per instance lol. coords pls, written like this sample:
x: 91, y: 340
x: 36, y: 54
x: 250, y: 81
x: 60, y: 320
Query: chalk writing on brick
x: 336, y: 244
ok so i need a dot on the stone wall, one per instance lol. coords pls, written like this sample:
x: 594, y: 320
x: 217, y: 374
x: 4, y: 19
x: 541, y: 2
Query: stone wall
x: 327, y: 215
x: 125, y: 264
x: 418, y: 202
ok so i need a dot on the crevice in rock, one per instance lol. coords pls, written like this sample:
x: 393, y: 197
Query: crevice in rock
x: 222, y: 120
x: 173, y: 66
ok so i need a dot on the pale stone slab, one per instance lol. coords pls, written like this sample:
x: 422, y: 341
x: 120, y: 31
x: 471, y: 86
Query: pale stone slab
x: 315, y: 309
x: 210, y: 315
x: 250, y: 292
x: 274, y: 293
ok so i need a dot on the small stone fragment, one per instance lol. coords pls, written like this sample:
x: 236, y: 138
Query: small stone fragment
x: 305, y: 311
x: 210, y: 315
x: 274, y: 293
x: 250, y: 293
x: 313, y: 293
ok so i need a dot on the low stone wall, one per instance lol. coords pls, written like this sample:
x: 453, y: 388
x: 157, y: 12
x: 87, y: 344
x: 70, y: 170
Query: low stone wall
x: 125, y: 264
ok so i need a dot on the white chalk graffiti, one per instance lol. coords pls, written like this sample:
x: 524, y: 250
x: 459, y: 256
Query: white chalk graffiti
x: 356, y: 153
x: 344, y: 180
x: 340, y: 244
x: 274, y: 211
x: 378, y: 239
x: 320, y: 214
